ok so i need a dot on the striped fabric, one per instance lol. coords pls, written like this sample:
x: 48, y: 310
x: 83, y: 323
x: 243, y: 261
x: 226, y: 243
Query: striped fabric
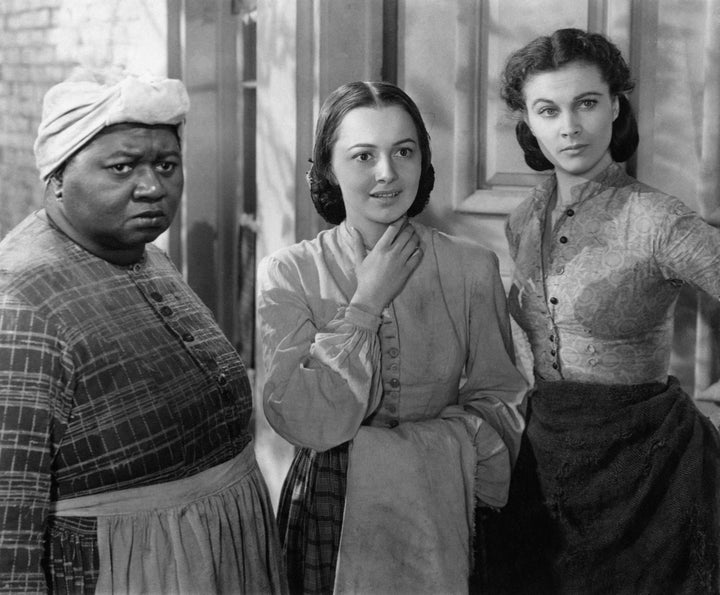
x: 110, y: 377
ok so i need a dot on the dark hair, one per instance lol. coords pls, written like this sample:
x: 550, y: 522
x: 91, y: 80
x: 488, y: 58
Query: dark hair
x: 326, y: 195
x: 549, y: 53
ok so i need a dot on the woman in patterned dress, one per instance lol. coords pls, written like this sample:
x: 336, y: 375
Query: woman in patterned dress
x: 616, y: 486
x: 126, y: 459
x: 389, y: 365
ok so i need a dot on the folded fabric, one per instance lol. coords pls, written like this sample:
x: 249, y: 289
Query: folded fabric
x: 75, y: 110
x: 409, y: 508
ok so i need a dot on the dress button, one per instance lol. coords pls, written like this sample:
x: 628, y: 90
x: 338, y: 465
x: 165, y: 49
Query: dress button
x: 395, y: 383
x: 553, y: 300
x: 592, y: 361
x: 137, y: 268
x: 156, y: 296
x: 569, y: 212
x: 394, y: 424
x: 590, y: 348
x: 394, y: 367
x: 188, y: 337
x: 222, y: 379
x: 393, y: 352
x: 555, y: 366
x: 166, y: 311
x: 560, y: 270
x: 563, y: 240
x: 552, y: 352
x: 552, y: 338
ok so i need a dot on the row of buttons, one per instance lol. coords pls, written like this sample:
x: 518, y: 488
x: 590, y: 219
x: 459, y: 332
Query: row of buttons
x: 554, y: 301
x: 221, y: 379
x: 389, y: 335
x: 168, y: 311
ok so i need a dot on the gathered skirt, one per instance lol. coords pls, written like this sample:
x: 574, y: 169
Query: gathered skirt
x: 615, y: 490
x: 214, y: 532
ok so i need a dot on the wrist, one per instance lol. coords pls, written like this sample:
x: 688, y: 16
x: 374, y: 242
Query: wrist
x: 367, y: 306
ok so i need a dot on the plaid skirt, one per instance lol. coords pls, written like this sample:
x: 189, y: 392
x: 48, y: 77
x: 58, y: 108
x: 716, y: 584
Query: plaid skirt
x: 615, y: 491
x: 310, y: 516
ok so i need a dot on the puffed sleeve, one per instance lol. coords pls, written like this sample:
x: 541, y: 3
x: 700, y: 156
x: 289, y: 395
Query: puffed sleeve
x: 686, y: 247
x: 493, y: 393
x: 31, y: 373
x: 322, y: 376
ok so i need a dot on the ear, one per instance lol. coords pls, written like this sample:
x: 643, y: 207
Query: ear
x: 615, y: 107
x: 56, y: 181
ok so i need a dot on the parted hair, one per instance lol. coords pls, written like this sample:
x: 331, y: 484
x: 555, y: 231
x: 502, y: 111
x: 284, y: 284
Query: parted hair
x: 325, y: 192
x: 552, y: 52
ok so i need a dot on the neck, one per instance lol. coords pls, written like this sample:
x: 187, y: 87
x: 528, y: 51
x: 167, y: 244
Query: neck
x: 120, y: 257
x: 370, y: 232
x: 566, y: 180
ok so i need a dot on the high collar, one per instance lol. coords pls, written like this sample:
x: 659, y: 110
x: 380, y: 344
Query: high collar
x: 613, y: 176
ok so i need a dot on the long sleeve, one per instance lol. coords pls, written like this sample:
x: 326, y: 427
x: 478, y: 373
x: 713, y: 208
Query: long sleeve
x: 686, y: 247
x: 494, y: 388
x: 31, y: 378
x: 322, y: 360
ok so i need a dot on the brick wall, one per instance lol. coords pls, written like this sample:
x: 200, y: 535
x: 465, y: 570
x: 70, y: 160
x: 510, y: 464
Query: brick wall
x: 41, y: 41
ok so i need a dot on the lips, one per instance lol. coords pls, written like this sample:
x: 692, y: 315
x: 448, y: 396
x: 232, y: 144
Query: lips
x: 151, y: 218
x: 573, y: 148
x: 385, y: 195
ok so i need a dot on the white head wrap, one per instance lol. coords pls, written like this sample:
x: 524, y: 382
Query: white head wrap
x: 75, y: 110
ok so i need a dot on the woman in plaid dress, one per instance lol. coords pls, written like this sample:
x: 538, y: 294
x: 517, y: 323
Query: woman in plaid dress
x: 126, y: 461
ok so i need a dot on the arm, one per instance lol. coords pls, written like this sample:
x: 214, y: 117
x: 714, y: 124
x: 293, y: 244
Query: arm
x: 686, y: 247
x: 492, y: 395
x: 29, y: 377
x: 322, y: 379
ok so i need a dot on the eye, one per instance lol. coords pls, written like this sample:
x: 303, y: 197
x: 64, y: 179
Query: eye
x: 548, y: 111
x: 362, y: 157
x: 121, y: 168
x: 405, y: 152
x: 588, y: 103
x: 166, y: 167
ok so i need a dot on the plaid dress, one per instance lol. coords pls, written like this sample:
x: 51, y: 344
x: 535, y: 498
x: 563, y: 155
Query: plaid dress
x: 111, y: 377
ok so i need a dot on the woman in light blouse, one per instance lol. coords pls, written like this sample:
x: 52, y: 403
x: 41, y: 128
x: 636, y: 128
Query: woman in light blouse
x: 616, y: 486
x: 385, y: 336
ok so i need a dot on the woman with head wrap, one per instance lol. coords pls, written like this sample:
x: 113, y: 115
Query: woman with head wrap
x: 126, y: 462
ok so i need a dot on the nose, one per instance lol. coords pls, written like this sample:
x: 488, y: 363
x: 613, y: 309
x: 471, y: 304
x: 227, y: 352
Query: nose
x: 385, y: 170
x: 147, y: 185
x: 570, y: 125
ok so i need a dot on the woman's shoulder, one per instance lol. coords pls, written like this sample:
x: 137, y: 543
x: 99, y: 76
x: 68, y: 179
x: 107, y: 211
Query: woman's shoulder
x: 301, y: 255
x: 648, y: 200
x: 465, y: 252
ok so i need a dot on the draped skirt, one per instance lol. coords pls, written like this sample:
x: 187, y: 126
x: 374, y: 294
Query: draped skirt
x: 615, y: 491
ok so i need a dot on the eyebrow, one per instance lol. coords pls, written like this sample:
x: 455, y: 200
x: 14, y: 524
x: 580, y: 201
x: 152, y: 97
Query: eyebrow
x: 543, y: 100
x: 371, y: 146
x: 136, y: 153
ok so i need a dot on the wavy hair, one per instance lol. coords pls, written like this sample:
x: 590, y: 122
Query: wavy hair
x: 550, y: 53
x: 326, y: 194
